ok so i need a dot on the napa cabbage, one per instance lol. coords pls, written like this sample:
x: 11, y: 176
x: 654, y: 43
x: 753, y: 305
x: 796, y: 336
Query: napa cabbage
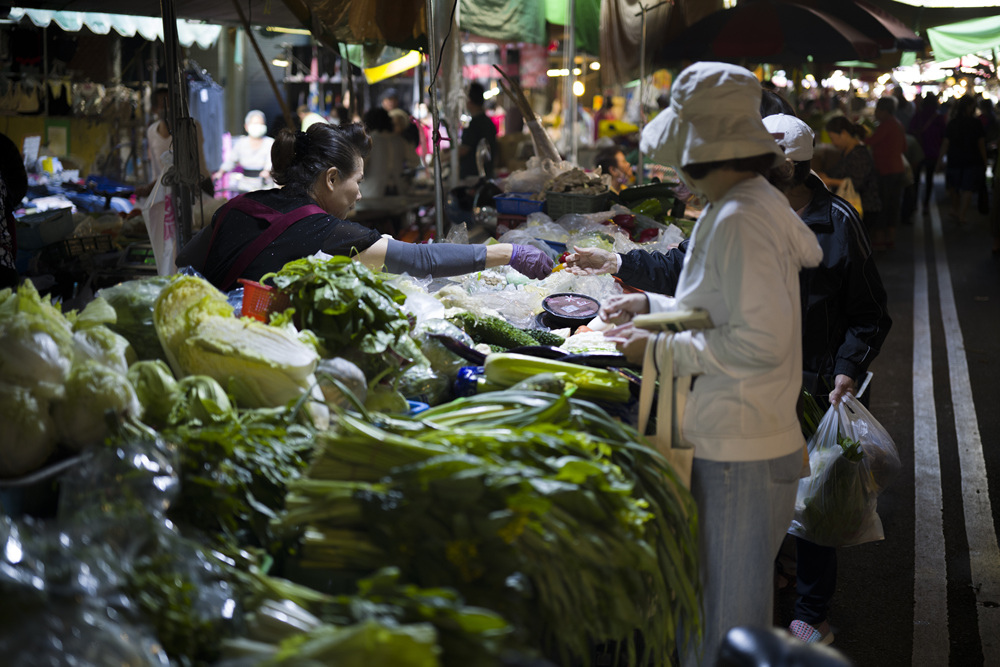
x: 92, y: 389
x: 29, y: 432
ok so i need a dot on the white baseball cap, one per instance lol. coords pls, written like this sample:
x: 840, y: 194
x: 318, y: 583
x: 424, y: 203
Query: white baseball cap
x: 793, y: 136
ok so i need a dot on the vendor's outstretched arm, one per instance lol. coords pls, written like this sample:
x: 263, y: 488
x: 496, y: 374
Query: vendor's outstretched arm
x: 446, y: 259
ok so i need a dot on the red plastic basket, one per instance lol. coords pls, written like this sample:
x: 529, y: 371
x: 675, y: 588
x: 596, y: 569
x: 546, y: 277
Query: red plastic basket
x: 259, y: 301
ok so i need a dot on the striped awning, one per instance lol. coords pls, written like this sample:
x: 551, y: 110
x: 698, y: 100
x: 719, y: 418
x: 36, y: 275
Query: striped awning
x: 151, y: 28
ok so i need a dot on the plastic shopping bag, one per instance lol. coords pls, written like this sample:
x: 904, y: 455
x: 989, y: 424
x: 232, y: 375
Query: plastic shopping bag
x: 846, y: 191
x: 881, y: 456
x: 836, y: 504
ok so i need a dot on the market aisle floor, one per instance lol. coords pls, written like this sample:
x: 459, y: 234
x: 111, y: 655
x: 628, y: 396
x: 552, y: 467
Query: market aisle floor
x: 929, y: 594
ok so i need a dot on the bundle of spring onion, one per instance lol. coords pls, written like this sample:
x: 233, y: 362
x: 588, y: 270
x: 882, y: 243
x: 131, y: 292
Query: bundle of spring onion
x: 537, y: 506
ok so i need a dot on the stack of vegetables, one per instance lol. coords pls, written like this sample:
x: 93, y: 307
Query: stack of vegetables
x: 58, y: 375
x: 515, y: 520
x: 534, y: 505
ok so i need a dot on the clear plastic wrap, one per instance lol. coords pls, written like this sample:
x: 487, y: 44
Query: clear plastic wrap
x: 110, y: 580
x: 535, y: 175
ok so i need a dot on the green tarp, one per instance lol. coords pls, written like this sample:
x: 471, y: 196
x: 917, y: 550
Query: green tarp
x: 587, y: 19
x: 504, y: 20
x: 524, y: 20
x: 965, y: 38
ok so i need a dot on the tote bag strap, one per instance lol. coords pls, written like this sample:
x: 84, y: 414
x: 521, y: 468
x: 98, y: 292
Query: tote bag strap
x: 649, y: 378
x: 666, y: 422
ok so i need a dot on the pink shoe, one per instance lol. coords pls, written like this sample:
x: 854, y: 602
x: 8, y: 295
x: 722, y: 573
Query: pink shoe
x: 811, y: 635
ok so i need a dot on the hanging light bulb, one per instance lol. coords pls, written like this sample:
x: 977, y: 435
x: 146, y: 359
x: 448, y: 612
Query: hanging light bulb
x: 578, y: 88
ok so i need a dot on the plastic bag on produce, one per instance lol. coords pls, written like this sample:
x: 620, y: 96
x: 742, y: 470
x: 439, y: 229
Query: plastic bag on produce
x: 535, y: 175
x: 457, y: 234
x: 541, y: 227
x: 836, y: 504
x: 139, y: 474
x: 443, y: 361
x: 62, y: 595
x: 880, y: 450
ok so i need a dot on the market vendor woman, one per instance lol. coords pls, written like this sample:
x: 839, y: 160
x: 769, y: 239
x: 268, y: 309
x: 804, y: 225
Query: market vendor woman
x: 320, y: 171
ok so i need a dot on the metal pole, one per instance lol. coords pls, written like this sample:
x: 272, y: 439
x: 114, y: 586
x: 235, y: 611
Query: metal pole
x: 641, y: 177
x: 289, y: 117
x: 432, y: 45
x: 570, y: 95
x: 642, y: 91
x: 185, y: 146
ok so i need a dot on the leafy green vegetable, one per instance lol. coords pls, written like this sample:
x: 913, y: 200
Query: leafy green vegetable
x: 235, y: 469
x: 105, y: 346
x: 92, y: 389
x: 133, y: 302
x: 29, y: 432
x: 36, y: 342
x: 156, y: 390
x: 836, y: 503
x: 352, y: 311
x: 537, y: 506
x: 199, y: 400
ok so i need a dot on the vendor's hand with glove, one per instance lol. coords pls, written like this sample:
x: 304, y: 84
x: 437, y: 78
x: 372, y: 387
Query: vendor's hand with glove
x: 591, y: 261
x: 530, y: 261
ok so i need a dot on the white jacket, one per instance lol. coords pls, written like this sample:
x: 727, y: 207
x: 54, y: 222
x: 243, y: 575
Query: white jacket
x: 742, y: 266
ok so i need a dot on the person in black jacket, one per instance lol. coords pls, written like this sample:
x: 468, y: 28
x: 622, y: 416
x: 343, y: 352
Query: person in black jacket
x: 844, y: 321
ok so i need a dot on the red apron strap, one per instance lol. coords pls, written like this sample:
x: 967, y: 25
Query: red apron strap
x: 239, y: 203
x: 277, y: 224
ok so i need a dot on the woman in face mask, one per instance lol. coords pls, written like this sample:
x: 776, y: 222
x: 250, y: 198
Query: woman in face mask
x: 251, y: 154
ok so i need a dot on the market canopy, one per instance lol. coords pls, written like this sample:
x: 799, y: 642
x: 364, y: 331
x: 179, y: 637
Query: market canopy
x: 127, y: 26
x: 965, y: 38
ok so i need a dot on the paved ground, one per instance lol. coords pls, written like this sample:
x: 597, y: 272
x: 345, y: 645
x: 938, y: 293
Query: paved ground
x: 929, y: 594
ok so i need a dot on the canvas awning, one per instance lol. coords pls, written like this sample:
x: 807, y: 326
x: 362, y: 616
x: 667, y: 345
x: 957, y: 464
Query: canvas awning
x: 965, y: 38
x: 188, y: 32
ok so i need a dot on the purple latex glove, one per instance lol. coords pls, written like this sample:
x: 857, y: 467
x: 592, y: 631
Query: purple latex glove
x: 530, y: 261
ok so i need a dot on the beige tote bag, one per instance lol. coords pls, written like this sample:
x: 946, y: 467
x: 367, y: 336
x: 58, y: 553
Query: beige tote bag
x: 668, y: 439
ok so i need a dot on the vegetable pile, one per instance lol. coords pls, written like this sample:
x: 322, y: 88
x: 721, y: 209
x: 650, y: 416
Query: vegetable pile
x: 537, y: 506
x: 58, y: 375
x: 241, y: 496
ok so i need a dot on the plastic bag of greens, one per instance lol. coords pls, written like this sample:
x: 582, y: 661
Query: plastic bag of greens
x: 881, y: 456
x: 836, y: 504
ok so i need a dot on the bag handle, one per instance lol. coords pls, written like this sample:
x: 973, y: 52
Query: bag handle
x: 649, y: 377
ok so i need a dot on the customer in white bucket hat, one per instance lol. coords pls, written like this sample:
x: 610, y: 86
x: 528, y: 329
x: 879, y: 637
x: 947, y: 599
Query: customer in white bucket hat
x: 844, y: 321
x: 742, y: 266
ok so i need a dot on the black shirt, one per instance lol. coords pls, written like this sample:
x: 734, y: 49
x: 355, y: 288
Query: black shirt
x: 315, y: 232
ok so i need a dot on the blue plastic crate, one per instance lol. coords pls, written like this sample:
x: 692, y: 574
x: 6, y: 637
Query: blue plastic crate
x: 517, y: 203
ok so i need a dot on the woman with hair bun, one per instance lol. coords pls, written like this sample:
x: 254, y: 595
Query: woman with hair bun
x: 856, y: 162
x: 320, y: 171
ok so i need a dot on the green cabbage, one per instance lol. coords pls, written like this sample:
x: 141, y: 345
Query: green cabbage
x: 29, y: 432
x: 200, y: 401
x: 36, y: 342
x: 133, y: 302
x: 156, y: 389
x: 91, y: 390
x: 105, y: 346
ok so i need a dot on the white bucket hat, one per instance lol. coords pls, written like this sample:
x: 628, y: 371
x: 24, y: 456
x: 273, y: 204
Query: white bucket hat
x: 714, y: 115
x: 793, y: 136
